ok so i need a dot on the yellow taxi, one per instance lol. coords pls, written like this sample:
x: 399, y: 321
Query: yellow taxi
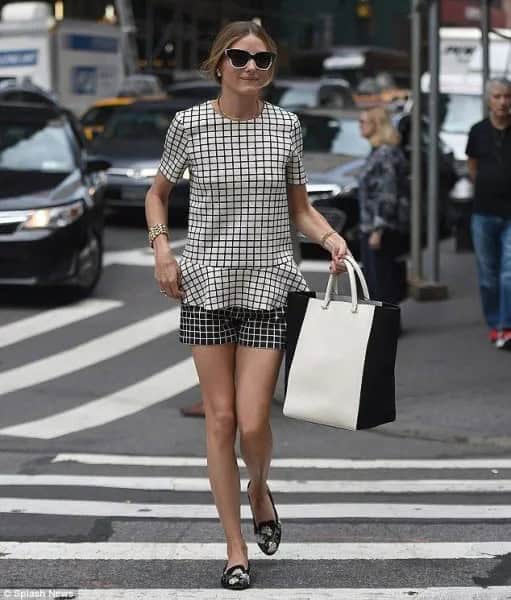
x: 93, y: 119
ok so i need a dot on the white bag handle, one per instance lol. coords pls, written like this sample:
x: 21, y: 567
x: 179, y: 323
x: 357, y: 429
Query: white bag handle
x: 352, y: 268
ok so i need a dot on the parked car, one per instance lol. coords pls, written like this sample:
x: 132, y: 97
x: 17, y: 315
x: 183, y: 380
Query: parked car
x: 334, y: 154
x: 287, y: 93
x: 310, y: 93
x: 197, y: 90
x: 93, y: 119
x: 141, y: 84
x: 132, y: 143
x: 51, y: 207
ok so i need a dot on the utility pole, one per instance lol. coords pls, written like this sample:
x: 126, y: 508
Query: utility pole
x: 128, y: 29
x: 416, y: 187
x: 485, y: 40
x: 420, y: 289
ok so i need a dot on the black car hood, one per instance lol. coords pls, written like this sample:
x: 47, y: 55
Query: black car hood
x: 34, y: 189
x: 120, y: 153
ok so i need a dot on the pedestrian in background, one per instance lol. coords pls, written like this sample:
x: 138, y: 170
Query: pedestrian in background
x: 383, y: 203
x: 247, y: 179
x: 489, y: 165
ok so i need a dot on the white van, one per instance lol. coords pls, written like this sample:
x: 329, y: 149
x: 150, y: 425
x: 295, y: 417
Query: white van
x: 461, y: 83
x: 79, y: 61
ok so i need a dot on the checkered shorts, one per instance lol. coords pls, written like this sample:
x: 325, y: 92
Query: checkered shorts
x: 234, y: 324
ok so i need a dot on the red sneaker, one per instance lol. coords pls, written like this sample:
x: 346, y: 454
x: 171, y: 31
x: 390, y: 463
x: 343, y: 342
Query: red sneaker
x: 504, y: 341
x: 493, y: 335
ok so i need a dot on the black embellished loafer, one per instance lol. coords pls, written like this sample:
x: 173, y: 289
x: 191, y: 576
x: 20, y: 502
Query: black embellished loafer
x: 268, y: 533
x: 236, y: 577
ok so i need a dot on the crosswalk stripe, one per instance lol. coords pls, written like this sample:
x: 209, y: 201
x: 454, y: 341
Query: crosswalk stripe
x: 293, y: 463
x: 139, y: 257
x: 143, y: 257
x: 12, y: 550
x: 129, y: 400
x: 48, y: 320
x: 201, y: 484
x: 405, y: 593
x: 90, y: 353
x: 359, y: 510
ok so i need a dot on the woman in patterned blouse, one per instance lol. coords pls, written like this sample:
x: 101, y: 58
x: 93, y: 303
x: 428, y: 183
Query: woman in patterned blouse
x: 247, y: 180
x: 383, y: 201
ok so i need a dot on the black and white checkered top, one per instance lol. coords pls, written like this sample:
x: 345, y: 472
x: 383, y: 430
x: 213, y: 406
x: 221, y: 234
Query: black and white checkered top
x: 239, y: 250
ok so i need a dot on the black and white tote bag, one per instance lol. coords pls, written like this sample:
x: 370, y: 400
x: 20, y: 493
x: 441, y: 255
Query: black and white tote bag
x: 340, y: 356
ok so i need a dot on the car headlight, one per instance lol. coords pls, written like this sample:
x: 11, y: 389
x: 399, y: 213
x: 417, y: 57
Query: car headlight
x: 54, y: 217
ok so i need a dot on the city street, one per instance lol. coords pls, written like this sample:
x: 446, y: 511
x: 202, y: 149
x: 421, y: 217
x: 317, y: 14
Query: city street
x: 104, y: 489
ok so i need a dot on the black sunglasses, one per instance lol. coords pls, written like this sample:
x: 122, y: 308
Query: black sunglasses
x: 240, y: 58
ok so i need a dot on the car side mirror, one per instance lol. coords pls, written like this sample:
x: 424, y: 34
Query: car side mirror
x: 93, y: 165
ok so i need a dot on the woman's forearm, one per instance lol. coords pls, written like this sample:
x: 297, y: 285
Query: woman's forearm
x: 312, y: 223
x: 156, y: 211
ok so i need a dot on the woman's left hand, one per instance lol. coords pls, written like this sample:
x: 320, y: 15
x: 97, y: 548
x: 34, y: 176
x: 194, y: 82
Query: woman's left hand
x: 338, y: 249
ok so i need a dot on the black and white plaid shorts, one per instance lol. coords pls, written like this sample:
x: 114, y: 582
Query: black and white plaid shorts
x: 234, y: 324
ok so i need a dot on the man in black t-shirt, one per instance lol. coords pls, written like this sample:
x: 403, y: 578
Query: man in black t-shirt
x: 489, y: 164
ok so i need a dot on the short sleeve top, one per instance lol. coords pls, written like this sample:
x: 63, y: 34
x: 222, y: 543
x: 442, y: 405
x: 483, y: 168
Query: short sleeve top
x: 492, y: 149
x: 238, y: 224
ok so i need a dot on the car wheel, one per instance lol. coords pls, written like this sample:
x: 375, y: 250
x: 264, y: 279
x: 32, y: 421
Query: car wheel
x: 90, y: 268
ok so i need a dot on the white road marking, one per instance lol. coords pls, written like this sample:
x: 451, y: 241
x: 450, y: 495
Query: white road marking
x: 48, y: 320
x: 321, y: 551
x: 161, y: 386
x: 139, y: 257
x: 430, y: 593
x: 293, y: 463
x: 84, y: 355
x: 201, y: 484
x: 358, y: 510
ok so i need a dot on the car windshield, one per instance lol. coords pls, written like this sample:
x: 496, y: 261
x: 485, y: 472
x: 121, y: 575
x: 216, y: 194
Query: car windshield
x: 35, y: 146
x: 333, y: 135
x: 138, y: 125
x: 461, y: 112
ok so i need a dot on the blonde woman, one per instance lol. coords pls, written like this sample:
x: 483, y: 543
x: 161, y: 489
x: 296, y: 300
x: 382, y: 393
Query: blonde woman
x: 383, y: 202
x: 246, y: 180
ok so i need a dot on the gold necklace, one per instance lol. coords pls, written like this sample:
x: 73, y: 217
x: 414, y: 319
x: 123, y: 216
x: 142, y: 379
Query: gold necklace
x: 235, y: 118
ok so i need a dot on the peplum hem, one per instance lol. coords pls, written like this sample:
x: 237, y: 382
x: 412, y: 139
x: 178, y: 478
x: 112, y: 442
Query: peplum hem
x: 262, y: 288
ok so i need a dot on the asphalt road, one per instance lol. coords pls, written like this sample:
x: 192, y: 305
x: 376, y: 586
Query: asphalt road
x: 103, y: 485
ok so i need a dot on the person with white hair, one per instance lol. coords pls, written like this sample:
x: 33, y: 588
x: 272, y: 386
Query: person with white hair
x: 489, y: 164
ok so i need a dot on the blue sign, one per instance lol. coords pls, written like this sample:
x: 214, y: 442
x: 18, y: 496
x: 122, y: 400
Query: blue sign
x: 84, y: 80
x: 91, y: 43
x: 18, y: 58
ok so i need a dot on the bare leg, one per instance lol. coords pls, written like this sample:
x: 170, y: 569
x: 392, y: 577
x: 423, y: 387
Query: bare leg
x: 257, y: 371
x: 215, y: 367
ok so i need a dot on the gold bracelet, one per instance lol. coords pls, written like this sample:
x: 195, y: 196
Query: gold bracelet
x: 326, y: 235
x: 156, y: 230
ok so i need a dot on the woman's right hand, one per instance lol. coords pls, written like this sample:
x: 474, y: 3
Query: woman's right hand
x: 167, y: 273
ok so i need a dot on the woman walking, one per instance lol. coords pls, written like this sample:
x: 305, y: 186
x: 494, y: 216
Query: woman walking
x: 383, y: 201
x: 246, y: 179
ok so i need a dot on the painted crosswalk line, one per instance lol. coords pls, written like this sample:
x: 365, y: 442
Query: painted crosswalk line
x: 292, y: 463
x: 405, y: 593
x: 54, y: 318
x: 339, y: 510
x: 139, y: 257
x: 127, y: 401
x: 90, y: 353
x: 202, y: 484
x: 12, y: 550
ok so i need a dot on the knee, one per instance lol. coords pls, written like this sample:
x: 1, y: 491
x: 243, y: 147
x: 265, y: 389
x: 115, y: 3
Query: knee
x: 221, y: 424
x: 251, y: 432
